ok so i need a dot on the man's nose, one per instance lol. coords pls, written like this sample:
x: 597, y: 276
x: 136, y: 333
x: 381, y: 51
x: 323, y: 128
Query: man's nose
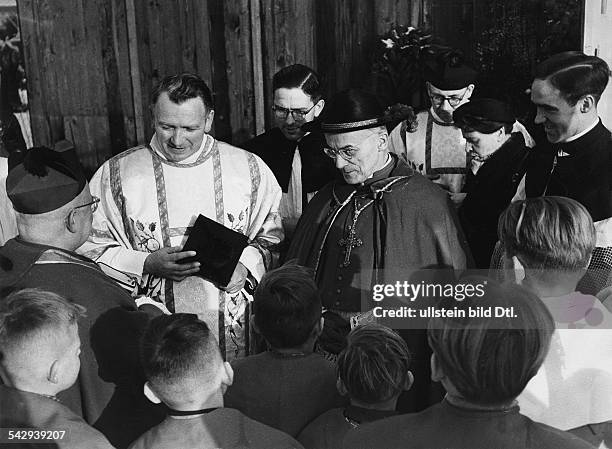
x: 290, y: 118
x: 178, y: 137
x: 539, y: 118
x: 446, y: 106
x: 340, y: 162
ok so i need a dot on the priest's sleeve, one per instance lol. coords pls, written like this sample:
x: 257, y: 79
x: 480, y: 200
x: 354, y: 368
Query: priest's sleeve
x: 265, y: 229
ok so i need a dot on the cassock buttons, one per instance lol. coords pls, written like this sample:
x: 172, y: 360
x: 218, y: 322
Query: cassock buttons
x: 338, y: 291
x: 340, y: 278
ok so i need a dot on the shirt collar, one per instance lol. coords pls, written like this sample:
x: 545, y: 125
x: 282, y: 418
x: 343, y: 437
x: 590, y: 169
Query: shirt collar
x: 191, y: 159
x: 582, y: 133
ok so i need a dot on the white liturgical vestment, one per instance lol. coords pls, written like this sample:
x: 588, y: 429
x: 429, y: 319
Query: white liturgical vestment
x: 148, y: 202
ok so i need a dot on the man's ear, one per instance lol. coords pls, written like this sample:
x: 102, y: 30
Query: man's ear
x: 318, y: 107
x: 228, y: 374
x: 53, y: 375
x: 409, y: 381
x: 587, y: 103
x: 341, y: 387
x: 319, y: 327
x: 469, y: 91
x: 150, y: 394
x: 208, y: 121
x: 383, y: 141
x: 436, y: 370
x: 71, y: 224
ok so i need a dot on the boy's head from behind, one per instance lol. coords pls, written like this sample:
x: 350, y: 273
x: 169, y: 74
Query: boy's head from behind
x: 182, y: 363
x: 548, y: 235
x: 374, y: 366
x: 39, y: 341
x: 489, y: 361
x: 287, y: 307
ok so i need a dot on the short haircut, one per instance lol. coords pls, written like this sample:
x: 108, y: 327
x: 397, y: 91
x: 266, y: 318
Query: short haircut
x: 178, y: 347
x: 287, y: 306
x: 301, y: 77
x: 490, y: 361
x: 575, y: 75
x: 183, y: 87
x: 374, y: 365
x: 30, y: 315
x: 548, y: 232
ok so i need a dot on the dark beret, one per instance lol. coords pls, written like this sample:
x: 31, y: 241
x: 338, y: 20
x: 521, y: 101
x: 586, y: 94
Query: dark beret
x: 449, y: 72
x: 41, y: 179
x: 485, y: 115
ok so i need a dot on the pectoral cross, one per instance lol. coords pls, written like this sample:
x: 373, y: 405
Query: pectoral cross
x: 352, y: 241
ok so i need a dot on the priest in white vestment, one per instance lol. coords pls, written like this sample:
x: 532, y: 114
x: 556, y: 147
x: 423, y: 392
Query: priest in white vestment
x: 434, y: 146
x: 151, y: 195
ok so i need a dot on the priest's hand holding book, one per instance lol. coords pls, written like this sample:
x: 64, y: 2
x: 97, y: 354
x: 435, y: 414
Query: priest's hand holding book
x: 167, y: 263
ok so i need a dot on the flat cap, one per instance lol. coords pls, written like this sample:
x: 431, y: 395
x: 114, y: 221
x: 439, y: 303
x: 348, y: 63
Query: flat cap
x: 485, y: 115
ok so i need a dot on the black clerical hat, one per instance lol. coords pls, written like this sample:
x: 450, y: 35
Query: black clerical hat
x: 218, y: 249
x: 41, y: 179
x: 448, y: 71
x: 350, y: 110
x: 485, y: 115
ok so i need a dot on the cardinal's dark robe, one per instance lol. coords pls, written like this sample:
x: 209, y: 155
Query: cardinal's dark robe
x: 405, y: 223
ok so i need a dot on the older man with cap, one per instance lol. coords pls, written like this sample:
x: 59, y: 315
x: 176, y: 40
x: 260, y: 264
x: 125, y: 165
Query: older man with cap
x: 381, y: 221
x: 54, y: 208
x: 151, y: 196
x: 435, y: 146
x: 497, y: 158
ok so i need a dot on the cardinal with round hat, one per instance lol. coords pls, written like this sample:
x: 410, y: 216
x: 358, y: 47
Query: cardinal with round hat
x: 373, y: 227
x: 53, y: 207
x: 433, y: 145
x: 497, y: 159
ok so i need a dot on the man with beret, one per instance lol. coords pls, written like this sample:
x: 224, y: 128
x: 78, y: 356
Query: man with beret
x: 151, y: 196
x: 382, y: 221
x: 53, y: 206
x: 435, y: 146
x: 497, y: 162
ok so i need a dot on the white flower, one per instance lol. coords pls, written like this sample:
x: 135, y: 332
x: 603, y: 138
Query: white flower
x: 388, y: 43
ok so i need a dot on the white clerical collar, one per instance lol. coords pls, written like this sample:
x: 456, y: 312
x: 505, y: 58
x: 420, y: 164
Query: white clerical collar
x: 581, y: 133
x: 191, y: 159
x: 387, y: 162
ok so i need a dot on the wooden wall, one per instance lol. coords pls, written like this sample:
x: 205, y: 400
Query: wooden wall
x: 91, y: 64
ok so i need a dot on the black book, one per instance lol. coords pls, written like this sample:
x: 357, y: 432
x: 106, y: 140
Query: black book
x: 217, y: 248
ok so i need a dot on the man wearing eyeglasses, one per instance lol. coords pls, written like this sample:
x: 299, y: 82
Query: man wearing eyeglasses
x: 54, y: 209
x: 295, y: 157
x: 435, y: 146
x: 377, y: 225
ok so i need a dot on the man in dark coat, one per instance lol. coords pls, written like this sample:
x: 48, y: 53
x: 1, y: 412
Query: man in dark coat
x: 374, y: 227
x: 576, y: 159
x: 295, y: 156
x: 54, y: 207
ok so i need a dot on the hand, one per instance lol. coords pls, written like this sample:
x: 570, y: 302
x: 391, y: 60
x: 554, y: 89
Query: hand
x: 164, y: 263
x: 238, y: 279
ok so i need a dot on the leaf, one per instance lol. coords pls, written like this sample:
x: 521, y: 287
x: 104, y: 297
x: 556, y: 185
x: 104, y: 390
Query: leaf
x: 139, y: 225
x: 241, y: 216
x: 230, y: 217
x: 152, y: 227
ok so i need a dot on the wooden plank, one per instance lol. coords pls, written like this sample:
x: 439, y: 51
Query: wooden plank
x: 390, y: 13
x: 257, y: 58
x: 240, y: 79
x: 288, y: 37
x: 90, y: 137
x: 220, y: 84
x: 134, y: 75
